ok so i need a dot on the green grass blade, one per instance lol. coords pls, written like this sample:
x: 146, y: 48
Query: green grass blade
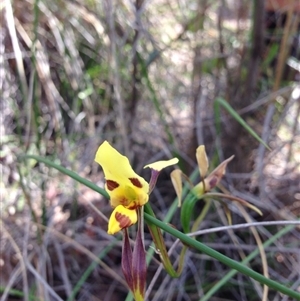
x: 239, y: 119
x: 67, y: 172
x: 18, y: 294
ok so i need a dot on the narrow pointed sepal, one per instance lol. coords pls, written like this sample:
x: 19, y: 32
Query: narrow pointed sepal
x: 127, y: 260
x: 234, y: 199
x: 139, y: 265
x: 216, y: 175
x: 202, y: 160
x: 153, y: 179
x: 159, y: 165
x: 156, y: 167
x: 177, y: 184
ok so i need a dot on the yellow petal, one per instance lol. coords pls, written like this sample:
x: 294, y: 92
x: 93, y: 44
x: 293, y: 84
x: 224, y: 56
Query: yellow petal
x: 123, y: 185
x: 202, y: 160
x: 115, y: 165
x: 159, y: 165
x: 121, y: 218
x: 177, y: 183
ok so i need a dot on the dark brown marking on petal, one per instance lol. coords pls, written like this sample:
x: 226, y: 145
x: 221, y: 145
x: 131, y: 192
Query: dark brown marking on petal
x: 136, y: 182
x: 213, y: 182
x: 123, y: 201
x: 133, y: 205
x: 123, y: 220
x: 111, y: 185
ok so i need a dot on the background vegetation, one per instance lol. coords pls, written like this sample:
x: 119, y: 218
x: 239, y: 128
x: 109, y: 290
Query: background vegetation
x: 144, y: 75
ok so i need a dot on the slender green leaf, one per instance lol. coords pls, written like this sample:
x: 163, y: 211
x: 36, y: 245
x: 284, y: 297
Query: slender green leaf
x: 19, y: 294
x: 67, y: 172
x: 240, y: 120
x: 187, y: 210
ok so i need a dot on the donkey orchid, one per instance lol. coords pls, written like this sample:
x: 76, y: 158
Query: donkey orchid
x: 128, y: 194
x: 204, y: 187
x: 127, y: 190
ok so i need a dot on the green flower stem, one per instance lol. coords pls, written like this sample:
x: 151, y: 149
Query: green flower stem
x: 67, y: 172
x: 160, y: 244
x: 224, y: 259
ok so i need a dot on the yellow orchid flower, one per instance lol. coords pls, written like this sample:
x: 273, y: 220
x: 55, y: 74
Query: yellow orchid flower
x: 204, y: 187
x: 127, y: 190
x: 128, y: 194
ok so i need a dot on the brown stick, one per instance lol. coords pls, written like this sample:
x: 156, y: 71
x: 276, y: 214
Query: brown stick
x: 284, y: 46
